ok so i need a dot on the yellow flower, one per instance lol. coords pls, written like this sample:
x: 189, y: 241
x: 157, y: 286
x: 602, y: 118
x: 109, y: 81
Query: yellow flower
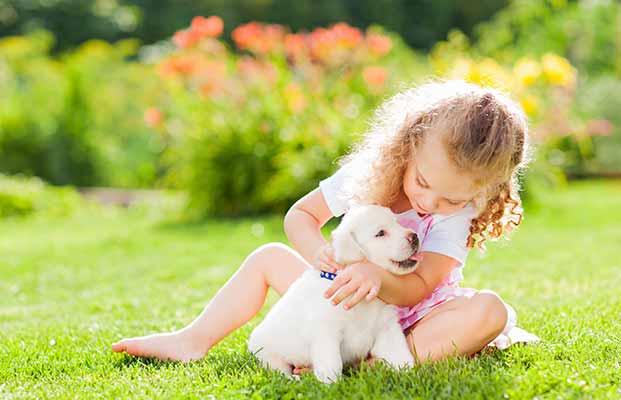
x: 530, y: 104
x: 526, y: 71
x: 486, y: 72
x: 557, y: 70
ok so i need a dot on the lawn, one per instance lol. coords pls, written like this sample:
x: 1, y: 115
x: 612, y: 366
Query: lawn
x: 69, y: 288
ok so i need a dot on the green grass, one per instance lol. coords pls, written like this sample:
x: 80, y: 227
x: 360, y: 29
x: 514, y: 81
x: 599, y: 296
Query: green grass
x: 68, y: 288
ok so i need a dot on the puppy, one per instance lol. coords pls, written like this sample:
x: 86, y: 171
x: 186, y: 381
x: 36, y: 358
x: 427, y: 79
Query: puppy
x: 304, y: 328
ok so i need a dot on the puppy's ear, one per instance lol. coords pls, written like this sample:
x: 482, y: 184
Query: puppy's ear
x: 346, y: 250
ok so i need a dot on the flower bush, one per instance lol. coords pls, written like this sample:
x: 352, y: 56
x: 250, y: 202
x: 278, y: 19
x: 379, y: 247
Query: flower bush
x: 252, y: 128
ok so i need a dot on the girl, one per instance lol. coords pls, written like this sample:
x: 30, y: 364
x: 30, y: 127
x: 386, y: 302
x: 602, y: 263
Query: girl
x: 445, y: 157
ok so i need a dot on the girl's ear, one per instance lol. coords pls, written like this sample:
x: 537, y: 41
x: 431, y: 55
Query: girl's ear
x: 346, y: 250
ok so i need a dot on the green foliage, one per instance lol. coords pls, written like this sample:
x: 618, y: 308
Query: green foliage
x: 20, y: 196
x: 76, y: 119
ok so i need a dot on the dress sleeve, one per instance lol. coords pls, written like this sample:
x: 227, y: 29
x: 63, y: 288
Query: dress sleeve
x: 449, y: 235
x: 332, y: 191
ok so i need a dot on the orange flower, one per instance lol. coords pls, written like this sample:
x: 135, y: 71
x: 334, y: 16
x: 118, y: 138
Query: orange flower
x: 176, y: 66
x: 153, y: 117
x: 375, y: 77
x: 211, y: 26
x: 334, y: 44
x: 296, y: 101
x: 295, y: 45
x: 379, y: 45
x: 259, y: 38
x: 346, y: 35
x: 186, y: 38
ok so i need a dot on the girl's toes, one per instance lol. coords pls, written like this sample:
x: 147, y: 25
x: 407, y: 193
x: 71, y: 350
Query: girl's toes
x: 119, y: 346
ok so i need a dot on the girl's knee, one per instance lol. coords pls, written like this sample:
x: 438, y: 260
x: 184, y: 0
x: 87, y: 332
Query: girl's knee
x: 274, y: 256
x: 271, y: 252
x: 490, y: 312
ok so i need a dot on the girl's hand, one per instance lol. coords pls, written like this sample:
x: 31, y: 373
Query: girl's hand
x: 324, y: 259
x: 362, y: 280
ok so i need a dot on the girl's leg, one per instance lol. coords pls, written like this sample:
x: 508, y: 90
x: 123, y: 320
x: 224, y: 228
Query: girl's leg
x: 272, y: 265
x: 462, y: 326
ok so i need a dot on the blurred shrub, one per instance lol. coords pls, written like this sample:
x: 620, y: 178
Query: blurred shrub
x: 586, y: 32
x: 580, y: 134
x: 76, y: 119
x: 20, y: 196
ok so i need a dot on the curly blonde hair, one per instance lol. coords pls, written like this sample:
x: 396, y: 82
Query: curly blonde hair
x: 486, y: 136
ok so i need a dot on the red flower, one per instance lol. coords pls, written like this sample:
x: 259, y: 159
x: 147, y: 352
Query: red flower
x: 211, y: 27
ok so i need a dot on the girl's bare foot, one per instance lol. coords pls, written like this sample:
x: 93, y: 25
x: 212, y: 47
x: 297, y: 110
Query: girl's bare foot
x: 176, y: 346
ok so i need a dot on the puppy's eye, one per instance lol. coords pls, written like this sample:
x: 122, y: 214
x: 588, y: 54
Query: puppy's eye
x: 381, y: 233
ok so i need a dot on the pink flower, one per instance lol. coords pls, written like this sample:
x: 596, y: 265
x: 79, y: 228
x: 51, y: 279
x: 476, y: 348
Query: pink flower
x: 599, y: 127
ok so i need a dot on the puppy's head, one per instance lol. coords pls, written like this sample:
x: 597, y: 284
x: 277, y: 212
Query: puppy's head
x: 372, y: 232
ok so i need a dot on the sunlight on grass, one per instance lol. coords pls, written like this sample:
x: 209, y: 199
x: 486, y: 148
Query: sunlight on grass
x: 68, y: 288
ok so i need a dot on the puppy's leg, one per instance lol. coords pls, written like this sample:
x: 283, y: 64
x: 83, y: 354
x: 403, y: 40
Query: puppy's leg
x: 391, y: 346
x: 326, y: 357
x: 276, y: 362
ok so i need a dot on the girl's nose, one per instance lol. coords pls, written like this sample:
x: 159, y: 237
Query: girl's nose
x: 428, y: 202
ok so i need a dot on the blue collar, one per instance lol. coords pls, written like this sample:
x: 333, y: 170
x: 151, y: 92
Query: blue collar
x: 327, y: 275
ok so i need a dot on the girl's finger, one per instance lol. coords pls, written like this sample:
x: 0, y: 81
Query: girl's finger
x: 358, y: 296
x: 340, y: 280
x: 328, y: 262
x: 372, y: 293
x: 328, y: 268
x: 344, y: 293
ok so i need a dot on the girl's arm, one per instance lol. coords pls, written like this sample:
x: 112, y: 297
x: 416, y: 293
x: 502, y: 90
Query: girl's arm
x: 410, y: 289
x: 361, y: 280
x: 303, y: 224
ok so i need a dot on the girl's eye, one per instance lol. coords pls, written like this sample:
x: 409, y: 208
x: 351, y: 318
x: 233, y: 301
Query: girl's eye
x: 420, y: 183
x: 380, y: 233
x: 454, y: 203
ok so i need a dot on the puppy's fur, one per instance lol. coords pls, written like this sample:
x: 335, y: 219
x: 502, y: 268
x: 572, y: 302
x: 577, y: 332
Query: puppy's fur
x: 304, y: 328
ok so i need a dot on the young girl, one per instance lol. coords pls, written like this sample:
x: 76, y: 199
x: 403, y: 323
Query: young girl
x: 445, y: 157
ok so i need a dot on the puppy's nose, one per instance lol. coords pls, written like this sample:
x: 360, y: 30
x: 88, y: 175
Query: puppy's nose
x: 413, y: 239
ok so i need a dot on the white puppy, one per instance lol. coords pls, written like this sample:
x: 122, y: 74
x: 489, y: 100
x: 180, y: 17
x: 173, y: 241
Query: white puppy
x: 304, y: 328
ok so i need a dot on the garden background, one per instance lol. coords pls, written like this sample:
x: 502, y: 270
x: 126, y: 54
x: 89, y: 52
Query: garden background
x: 117, y: 117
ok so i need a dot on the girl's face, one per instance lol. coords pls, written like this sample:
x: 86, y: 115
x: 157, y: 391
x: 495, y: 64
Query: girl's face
x: 432, y: 184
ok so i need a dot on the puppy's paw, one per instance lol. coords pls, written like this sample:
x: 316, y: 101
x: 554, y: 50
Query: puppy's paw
x: 399, y: 360
x: 326, y: 376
